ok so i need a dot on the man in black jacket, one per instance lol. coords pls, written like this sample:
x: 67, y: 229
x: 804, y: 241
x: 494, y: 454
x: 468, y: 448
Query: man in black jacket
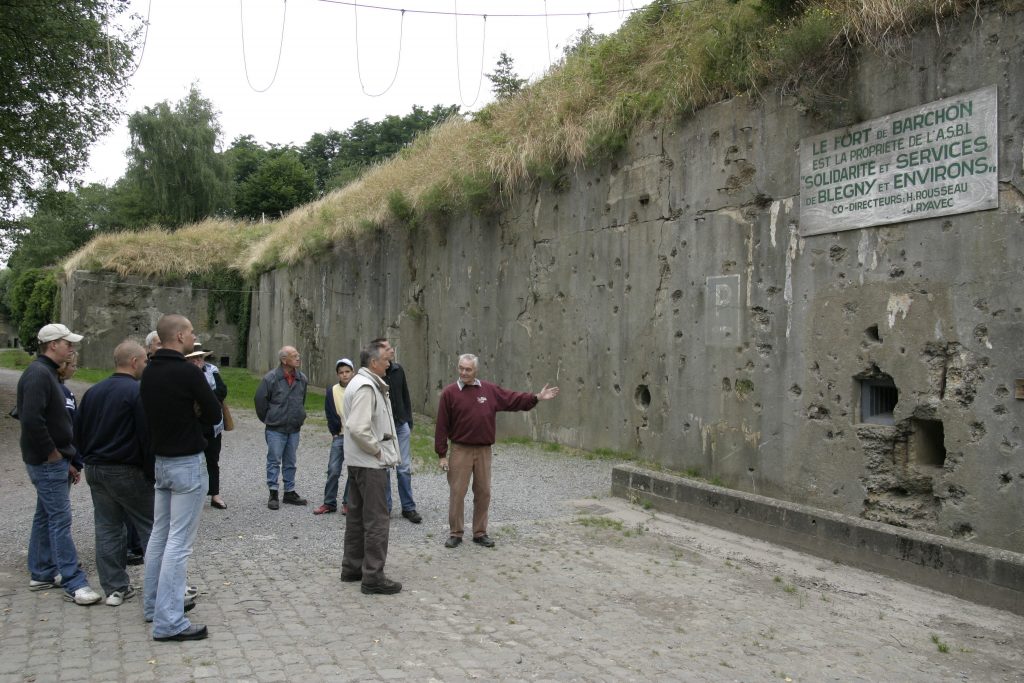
x: 110, y: 432
x: 401, y: 406
x: 47, y: 450
x: 179, y: 405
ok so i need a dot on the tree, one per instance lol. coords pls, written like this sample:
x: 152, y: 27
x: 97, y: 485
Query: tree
x: 505, y: 82
x: 32, y: 300
x: 278, y: 185
x: 339, y: 158
x: 63, y: 64
x: 60, y: 225
x: 173, y: 162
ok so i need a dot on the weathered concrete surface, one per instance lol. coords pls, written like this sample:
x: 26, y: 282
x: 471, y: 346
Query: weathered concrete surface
x: 966, y: 570
x: 108, y: 308
x: 601, y: 590
x: 671, y: 297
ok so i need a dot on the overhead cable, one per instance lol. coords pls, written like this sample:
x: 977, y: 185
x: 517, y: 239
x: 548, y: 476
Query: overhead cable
x: 458, y: 67
x: 280, y: 47
x: 398, y: 63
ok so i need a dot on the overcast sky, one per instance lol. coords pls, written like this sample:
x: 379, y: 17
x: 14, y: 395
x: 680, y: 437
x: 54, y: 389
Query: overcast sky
x: 317, y: 86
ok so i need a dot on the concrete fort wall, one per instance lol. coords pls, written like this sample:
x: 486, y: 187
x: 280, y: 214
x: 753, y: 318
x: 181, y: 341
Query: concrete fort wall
x: 107, y: 309
x: 616, y: 289
x: 672, y: 297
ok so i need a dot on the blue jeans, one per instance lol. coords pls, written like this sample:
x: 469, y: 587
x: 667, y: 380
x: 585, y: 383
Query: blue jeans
x: 334, y: 463
x: 51, y: 550
x: 281, y: 450
x: 181, y: 484
x: 404, y: 469
x: 120, y: 495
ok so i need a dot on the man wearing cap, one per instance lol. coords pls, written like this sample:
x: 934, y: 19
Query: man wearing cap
x: 179, y: 407
x: 466, y: 417
x: 281, y: 406
x: 110, y: 432
x: 335, y: 411
x: 47, y: 450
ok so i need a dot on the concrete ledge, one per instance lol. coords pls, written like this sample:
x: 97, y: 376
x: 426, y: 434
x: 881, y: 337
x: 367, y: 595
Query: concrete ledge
x: 978, y: 573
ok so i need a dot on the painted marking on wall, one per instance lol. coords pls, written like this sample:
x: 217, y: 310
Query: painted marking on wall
x: 723, y: 311
x: 899, y: 304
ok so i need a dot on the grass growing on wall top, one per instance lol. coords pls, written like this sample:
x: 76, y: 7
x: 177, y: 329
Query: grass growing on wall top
x: 200, y: 249
x: 666, y: 61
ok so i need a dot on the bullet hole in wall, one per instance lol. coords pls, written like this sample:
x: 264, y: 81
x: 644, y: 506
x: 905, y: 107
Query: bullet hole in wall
x: 642, y: 397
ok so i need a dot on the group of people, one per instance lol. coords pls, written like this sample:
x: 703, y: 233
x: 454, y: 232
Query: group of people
x: 142, y: 436
x: 148, y: 438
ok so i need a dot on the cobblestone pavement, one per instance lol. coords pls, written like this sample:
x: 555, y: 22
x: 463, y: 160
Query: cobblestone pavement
x: 581, y: 586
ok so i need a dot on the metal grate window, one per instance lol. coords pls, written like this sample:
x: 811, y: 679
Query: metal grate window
x: 878, y: 399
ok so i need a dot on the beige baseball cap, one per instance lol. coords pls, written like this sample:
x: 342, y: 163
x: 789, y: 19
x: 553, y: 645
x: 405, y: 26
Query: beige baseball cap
x: 55, y: 331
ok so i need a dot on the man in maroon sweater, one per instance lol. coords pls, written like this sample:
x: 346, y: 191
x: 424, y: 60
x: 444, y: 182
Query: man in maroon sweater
x: 465, y: 416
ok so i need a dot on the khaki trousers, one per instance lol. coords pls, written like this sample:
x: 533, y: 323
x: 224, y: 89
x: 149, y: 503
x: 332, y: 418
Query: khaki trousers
x: 464, y: 463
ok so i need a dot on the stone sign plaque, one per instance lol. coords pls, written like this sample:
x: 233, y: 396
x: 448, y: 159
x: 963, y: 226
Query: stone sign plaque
x: 723, y: 308
x: 937, y: 159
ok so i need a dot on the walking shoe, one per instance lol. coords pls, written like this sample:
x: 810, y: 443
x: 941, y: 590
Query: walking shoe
x: 412, y: 516
x: 191, y: 592
x: 484, y: 540
x: 272, y: 502
x: 344, y: 508
x: 34, y: 585
x: 83, y: 596
x: 135, y: 558
x: 193, y: 632
x: 324, y: 509
x: 293, y: 498
x: 118, y: 597
x: 383, y: 587
x: 453, y: 542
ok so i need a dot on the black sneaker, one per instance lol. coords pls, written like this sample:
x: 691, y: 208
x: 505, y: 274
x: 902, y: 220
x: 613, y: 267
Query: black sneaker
x: 293, y: 498
x: 484, y: 540
x: 384, y: 587
x: 134, y: 559
x: 273, y: 503
x: 453, y: 542
x: 412, y: 516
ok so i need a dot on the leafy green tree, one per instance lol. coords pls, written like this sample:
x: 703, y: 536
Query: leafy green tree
x: 173, y: 163
x: 279, y: 184
x: 339, y: 158
x: 63, y: 66
x: 32, y: 301
x: 60, y: 225
x: 505, y: 82
x: 318, y: 155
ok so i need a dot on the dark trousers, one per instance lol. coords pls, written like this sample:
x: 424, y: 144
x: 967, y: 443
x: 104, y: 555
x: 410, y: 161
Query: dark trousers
x: 120, y: 493
x: 367, y: 525
x: 212, y: 454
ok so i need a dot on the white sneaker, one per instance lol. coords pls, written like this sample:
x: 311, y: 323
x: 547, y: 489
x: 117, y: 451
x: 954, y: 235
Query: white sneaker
x: 83, y: 596
x: 118, y: 597
x: 34, y: 585
x: 191, y: 593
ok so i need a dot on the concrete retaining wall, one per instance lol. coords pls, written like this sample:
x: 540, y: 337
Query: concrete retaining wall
x: 108, y: 309
x: 606, y: 287
x: 967, y: 570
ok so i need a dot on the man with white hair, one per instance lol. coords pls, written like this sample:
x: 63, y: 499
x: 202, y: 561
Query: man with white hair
x: 466, y: 418
x: 281, y: 406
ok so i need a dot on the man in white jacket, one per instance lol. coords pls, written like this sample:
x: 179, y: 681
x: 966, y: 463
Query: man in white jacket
x: 370, y: 448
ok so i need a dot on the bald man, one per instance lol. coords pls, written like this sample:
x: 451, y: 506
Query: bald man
x: 281, y: 406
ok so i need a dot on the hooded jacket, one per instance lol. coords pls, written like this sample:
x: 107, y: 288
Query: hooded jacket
x: 369, y: 423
